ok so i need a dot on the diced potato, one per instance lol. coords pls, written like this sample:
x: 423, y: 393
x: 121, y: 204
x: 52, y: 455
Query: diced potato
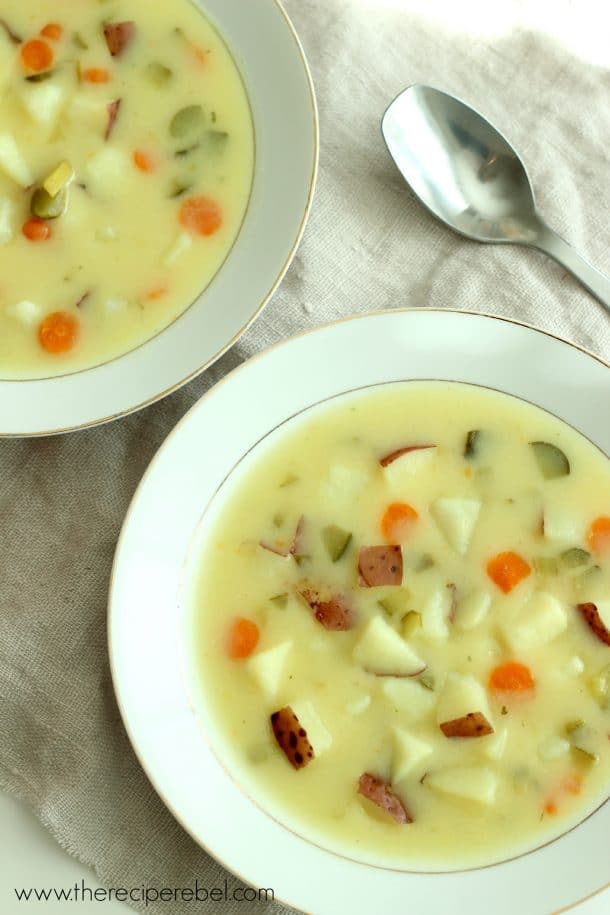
x: 401, y: 471
x: 380, y: 650
x: 573, y: 667
x: 435, y: 613
x: 7, y: 215
x: 456, y: 519
x: 7, y: 59
x: 495, y: 745
x: 472, y: 609
x: 267, y: 667
x: 410, y: 698
x: 469, y: 782
x: 89, y: 112
x: 12, y: 161
x: 318, y: 735
x: 358, y: 706
x: 462, y: 695
x: 25, y: 311
x: 560, y: 525
x: 539, y: 621
x: 107, y: 171
x: 58, y: 178
x: 347, y: 478
x: 409, y: 752
x: 182, y: 244
x: 115, y: 303
x: 553, y: 748
x: 106, y: 233
x: 45, y: 101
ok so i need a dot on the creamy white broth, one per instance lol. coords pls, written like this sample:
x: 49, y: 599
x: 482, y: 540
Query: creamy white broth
x: 119, y: 262
x: 325, y: 468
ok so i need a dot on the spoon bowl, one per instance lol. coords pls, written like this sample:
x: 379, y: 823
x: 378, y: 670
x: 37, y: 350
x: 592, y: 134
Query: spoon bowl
x: 469, y: 176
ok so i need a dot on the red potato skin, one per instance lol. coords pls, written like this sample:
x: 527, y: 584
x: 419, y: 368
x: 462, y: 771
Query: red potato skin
x: 590, y: 614
x: 291, y: 737
x: 334, y: 614
x: 118, y: 36
x: 394, y: 455
x: 113, y: 113
x: 381, y: 794
x: 380, y: 565
x: 474, y: 724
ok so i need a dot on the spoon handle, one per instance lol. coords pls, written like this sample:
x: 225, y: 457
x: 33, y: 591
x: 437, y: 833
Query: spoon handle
x: 554, y: 245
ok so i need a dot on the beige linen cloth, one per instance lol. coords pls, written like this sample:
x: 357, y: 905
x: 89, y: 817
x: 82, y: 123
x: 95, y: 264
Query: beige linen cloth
x: 368, y: 246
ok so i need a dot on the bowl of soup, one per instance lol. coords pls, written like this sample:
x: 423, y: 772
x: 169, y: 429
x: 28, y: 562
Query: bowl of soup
x: 152, y: 192
x: 378, y: 618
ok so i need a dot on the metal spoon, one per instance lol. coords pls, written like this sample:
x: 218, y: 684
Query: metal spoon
x: 469, y: 176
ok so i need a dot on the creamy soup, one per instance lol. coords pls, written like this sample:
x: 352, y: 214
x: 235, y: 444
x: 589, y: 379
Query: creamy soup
x: 402, y: 614
x: 126, y: 161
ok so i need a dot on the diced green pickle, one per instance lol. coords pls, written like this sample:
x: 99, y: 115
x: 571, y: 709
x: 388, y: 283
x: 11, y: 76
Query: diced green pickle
x: 158, y: 73
x: 573, y: 726
x: 427, y: 680
x: 288, y: 480
x: 336, y: 541
x: 46, y: 207
x: 551, y: 460
x: 188, y: 123
x: 279, y: 519
x: 473, y: 444
x: 583, y: 756
x: 574, y: 557
x: 397, y: 602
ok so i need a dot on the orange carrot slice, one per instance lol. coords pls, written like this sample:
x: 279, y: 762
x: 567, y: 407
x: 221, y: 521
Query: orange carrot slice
x: 36, y: 229
x: 243, y: 638
x: 511, y: 677
x: 598, y: 536
x: 506, y: 570
x: 36, y: 55
x: 200, y: 215
x: 397, y: 522
x: 57, y: 333
x: 157, y: 292
x: 143, y: 161
x: 96, y: 75
x: 53, y: 31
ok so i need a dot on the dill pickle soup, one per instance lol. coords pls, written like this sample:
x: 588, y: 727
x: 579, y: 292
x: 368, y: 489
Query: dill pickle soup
x: 126, y: 162
x: 400, y: 605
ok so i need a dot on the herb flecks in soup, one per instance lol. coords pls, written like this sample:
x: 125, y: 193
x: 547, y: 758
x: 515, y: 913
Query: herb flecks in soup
x: 402, y: 625
x: 126, y: 160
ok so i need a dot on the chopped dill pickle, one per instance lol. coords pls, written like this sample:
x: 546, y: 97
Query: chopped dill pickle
x: 571, y: 727
x: 46, y: 207
x: 288, y: 480
x: 79, y: 41
x: 336, y: 541
x: 583, y: 757
x: 279, y: 519
x: 551, y: 460
x: 39, y: 77
x: 158, y: 73
x: 410, y: 624
x: 473, y: 444
x: 179, y: 186
x: 188, y: 123
x: 574, y: 557
x: 279, y: 600
x: 302, y: 560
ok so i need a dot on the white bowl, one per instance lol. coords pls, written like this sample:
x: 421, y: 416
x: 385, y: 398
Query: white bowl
x: 275, y: 72
x: 150, y: 562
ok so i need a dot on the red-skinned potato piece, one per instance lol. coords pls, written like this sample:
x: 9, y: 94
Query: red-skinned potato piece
x: 394, y: 455
x: 118, y: 36
x: 590, y: 614
x: 474, y: 724
x: 113, y: 112
x: 380, y: 565
x: 333, y: 614
x: 380, y: 793
x: 291, y: 737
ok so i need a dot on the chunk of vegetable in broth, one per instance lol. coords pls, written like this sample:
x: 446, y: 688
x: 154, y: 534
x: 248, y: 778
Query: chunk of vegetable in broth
x: 551, y: 460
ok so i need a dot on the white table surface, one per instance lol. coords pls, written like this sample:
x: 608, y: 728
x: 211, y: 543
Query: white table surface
x: 30, y: 857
